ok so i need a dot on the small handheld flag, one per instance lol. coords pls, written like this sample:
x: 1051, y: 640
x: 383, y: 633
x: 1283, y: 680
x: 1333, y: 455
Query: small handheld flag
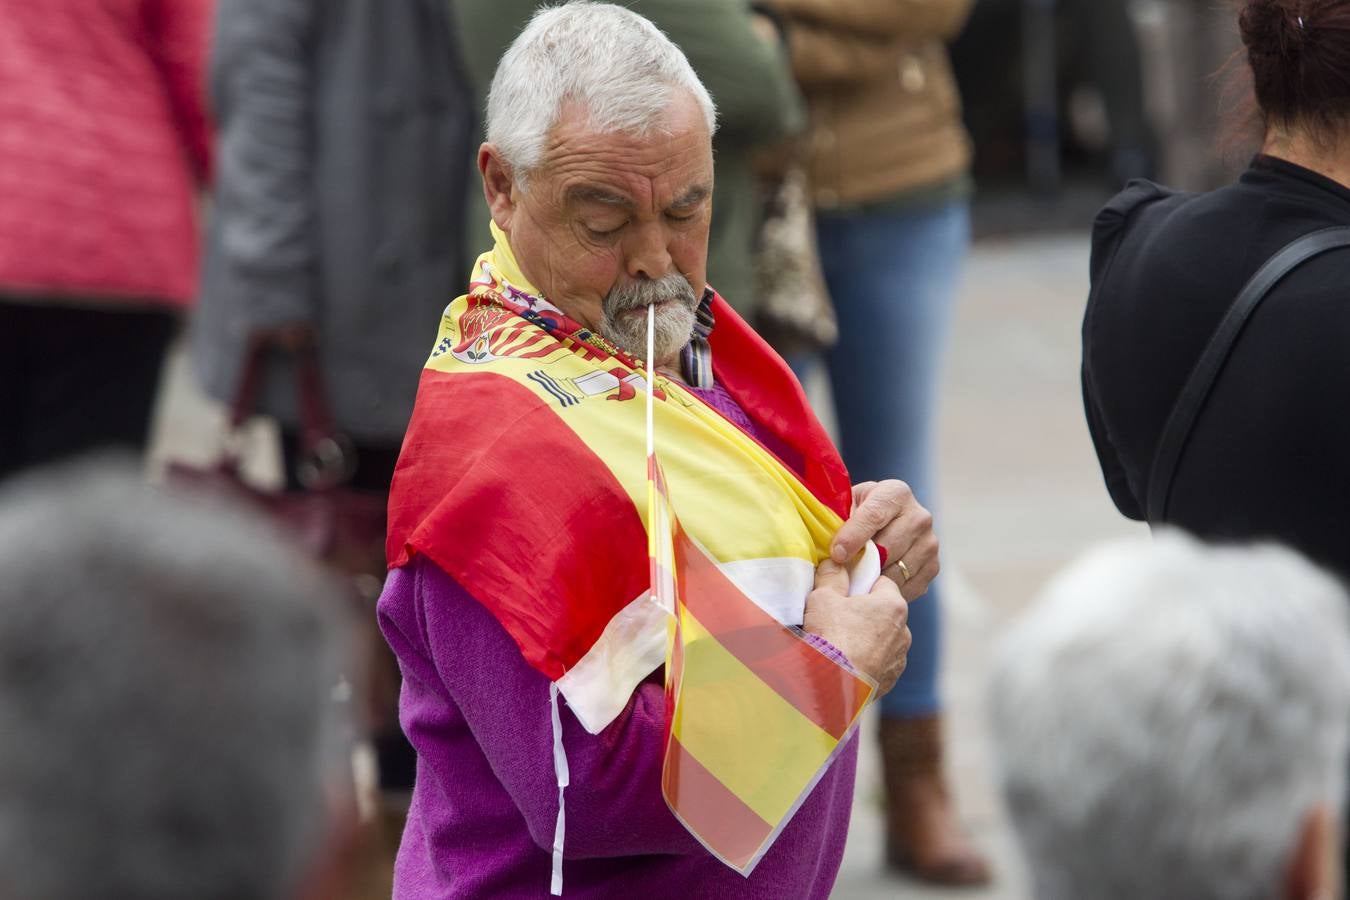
x: 755, y: 712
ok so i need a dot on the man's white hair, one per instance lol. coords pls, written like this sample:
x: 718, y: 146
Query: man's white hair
x: 1167, y: 717
x: 617, y: 65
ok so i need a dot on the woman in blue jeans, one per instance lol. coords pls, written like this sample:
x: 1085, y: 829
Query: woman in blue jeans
x: 889, y: 164
x: 894, y: 278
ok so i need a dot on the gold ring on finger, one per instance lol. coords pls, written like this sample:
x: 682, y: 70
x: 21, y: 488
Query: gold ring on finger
x: 904, y: 569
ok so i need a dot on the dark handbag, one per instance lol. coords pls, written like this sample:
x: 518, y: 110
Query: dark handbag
x: 1181, y: 421
x: 334, y: 523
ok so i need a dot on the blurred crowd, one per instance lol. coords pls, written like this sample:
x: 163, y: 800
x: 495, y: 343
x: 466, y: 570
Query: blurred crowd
x: 293, y: 187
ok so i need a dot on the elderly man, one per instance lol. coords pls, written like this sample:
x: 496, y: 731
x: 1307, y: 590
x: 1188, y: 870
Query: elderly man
x: 1173, y: 721
x: 166, y: 681
x: 518, y: 533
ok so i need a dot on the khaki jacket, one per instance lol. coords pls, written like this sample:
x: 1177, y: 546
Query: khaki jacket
x: 885, y: 115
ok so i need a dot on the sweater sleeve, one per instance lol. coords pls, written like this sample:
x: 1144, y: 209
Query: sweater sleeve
x: 178, y: 34
x: 912, y: 20
x: 262, y: 83
x: 453, y: 652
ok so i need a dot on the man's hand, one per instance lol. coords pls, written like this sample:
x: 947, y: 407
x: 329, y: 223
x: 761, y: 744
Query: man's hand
x: 886, y: 512
x: 871, y: 630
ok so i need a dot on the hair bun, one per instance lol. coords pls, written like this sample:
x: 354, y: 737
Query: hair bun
x: 1299, y: 51
x: 1295, y: 31
x: 1277, y: 28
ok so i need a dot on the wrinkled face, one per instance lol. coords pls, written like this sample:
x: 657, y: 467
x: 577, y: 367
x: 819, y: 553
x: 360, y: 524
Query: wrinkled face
x: 610, y: 224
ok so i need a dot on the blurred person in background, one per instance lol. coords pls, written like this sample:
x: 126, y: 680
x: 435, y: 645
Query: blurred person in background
x: 1096, y: 44
x: 335, y: 225
x: 889, y: 172
x: 739, y: 58
x: 335, y: 218
x: 103, y: 147
x: 1102, y: 49
x: 1266, y: 456
x: 166, y: 698
x: 1173, y: 720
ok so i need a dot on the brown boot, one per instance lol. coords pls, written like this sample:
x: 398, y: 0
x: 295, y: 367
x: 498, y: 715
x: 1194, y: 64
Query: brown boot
x: 923, y: 837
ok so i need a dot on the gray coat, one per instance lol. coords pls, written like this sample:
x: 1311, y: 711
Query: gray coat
x: 343, y: 130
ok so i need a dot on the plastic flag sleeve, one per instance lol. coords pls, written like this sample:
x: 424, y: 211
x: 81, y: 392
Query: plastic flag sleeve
x: 755, y: 711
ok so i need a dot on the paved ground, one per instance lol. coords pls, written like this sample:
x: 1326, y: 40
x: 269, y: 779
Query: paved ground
x: 1021, y: 496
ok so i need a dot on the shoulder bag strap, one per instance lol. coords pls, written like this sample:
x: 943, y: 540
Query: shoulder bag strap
x: 1201, y: 382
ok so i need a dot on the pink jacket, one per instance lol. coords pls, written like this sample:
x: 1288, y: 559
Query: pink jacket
x: 103, y: 145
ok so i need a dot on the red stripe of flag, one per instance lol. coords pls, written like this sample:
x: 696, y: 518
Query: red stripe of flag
x: 709, y: 809
x: 761, y: 382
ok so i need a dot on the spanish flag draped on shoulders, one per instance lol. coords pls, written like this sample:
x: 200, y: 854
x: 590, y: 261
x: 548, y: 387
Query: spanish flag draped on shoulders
x: 524, y: 480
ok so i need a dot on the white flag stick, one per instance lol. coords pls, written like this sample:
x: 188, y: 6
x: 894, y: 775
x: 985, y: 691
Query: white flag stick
x: 651, y: 375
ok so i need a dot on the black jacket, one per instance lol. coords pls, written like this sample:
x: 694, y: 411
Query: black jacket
x: 1270, y: 453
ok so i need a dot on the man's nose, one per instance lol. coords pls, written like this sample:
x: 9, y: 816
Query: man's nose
x: 647, y: 253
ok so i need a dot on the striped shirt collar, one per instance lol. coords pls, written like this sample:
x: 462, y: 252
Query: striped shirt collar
x: 696, y: 357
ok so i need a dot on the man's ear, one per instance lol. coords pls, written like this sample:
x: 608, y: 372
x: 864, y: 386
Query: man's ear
x: 1314, y: 871
x: 498, y: 184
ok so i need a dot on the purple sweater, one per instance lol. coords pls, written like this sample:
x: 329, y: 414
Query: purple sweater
x: 486, y: 799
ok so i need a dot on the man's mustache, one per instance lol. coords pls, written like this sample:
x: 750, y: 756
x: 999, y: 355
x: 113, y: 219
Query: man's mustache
x: 648, y: 292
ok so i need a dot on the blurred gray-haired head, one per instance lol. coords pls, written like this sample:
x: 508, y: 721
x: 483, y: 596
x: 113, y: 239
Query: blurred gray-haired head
x: 167, y: 728
x: 1168, y: 716
x: 613, y: 62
